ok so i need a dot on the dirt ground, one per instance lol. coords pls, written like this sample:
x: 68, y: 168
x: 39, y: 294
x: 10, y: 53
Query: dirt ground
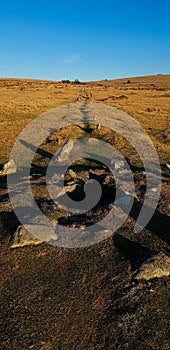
x: 58, y: 298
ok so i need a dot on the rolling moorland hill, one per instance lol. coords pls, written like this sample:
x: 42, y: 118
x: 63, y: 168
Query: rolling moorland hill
x: 57, y: 298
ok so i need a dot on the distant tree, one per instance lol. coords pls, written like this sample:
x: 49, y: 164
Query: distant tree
x: 76, y: 81
x: 128, y: 81
x: 66, y: 81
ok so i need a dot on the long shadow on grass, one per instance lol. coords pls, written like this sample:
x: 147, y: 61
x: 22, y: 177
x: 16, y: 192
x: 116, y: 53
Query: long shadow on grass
x: 8, y: 224
x: 40, y: 151
x: 159, y: 224
x: 132, y: 251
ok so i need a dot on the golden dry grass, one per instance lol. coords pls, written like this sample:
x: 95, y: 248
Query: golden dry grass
x: 145, y: 98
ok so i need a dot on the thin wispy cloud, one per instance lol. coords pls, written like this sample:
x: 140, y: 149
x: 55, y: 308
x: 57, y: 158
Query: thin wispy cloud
x: 72, y: 58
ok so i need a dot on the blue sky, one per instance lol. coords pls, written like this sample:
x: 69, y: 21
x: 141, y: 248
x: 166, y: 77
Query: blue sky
x: 88, y: 40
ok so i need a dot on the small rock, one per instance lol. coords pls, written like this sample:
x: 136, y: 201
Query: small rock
x: 56, y: 178
x: 109, y: 180
x: 69, y: 188
x: 22, y: 237
x: 83, y: 175
x: 154, y: 189
x: 72, y: 174
x: 9, y: 168
x: 156, y: 266
x: 65, y: 151
x: 119, y: 164
x: 168, y: 166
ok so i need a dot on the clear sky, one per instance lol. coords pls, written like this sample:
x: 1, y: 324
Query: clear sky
x: 88, y: 40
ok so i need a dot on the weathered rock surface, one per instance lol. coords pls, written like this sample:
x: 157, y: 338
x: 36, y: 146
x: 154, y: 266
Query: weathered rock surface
x: 156, y: 266
x: 65, y: 151
x: 23, y: 237
x: 9, y: 168
x: 69, y: 188
x: 168, y: 166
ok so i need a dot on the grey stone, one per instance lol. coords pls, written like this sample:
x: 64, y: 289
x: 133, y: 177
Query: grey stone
x: 69, y: 188
x: 22, y: 237
x: 168, y: 166
x: 9, y: 168
x: 65, y: 151
x: 156, y: 266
